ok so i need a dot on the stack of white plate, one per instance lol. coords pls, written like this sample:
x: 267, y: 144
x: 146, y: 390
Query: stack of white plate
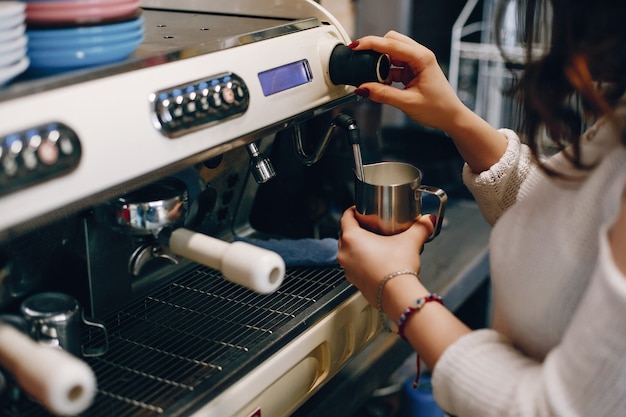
x: 67, y: 35
x: 13, y: 40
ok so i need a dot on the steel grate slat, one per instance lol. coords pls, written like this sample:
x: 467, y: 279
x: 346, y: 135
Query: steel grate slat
x: 195, y: 329
x: 193, y: 320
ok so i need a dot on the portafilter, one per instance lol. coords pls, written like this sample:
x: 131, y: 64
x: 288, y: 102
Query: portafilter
x: 161, y: 210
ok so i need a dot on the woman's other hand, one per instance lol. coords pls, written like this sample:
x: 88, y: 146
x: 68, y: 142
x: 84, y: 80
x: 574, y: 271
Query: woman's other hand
x: 367, y: 257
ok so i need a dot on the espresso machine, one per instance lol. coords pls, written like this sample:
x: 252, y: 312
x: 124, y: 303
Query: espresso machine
x: 147, y: 217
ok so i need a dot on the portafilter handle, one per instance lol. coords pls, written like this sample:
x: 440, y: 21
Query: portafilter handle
x: 256, y: 268
x: 61, y: 382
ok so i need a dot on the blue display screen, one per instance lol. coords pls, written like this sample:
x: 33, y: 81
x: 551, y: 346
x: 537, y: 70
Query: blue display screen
x: 285, y: 77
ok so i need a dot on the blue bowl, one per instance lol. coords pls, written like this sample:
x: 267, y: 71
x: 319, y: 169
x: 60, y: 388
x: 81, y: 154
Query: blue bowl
x: 69, y: 59
x: 77, y: 42
x: 86, y: 31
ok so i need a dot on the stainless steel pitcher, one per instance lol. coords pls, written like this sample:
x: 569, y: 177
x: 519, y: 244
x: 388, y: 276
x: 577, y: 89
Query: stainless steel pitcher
x: 389, y: 198
x: 55, y: 319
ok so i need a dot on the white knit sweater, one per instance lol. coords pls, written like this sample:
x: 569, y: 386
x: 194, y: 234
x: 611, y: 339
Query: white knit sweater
x: 558, y: 343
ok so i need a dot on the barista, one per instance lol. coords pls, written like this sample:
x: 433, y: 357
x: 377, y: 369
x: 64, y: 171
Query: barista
x: 557, y: 251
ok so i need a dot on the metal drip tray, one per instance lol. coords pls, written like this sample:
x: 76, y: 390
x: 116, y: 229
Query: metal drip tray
x: 188, y: 341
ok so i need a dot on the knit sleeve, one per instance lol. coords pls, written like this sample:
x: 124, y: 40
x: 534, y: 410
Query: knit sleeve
x: 482, y: 374
x: 496, y: 189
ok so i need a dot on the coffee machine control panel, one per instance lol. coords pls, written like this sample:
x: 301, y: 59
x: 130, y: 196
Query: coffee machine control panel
x: 197, y: 104
x: 37, y: 154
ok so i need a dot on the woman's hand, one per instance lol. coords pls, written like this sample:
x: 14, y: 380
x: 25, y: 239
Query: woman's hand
x: 367, y: 257
x: 427, y: 97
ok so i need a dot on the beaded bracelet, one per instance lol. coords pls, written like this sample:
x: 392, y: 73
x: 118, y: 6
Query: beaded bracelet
x: 379, y: 295
x: 403, y: 320
x: 413, y: 308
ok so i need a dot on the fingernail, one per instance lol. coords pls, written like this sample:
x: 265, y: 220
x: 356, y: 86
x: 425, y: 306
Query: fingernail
x: 353, y: 44
x: 363, y: 92
x: 433, y: 218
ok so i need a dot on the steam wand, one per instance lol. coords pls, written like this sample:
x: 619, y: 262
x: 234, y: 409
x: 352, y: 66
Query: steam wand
x: 354, y: 138
x: 343, y: 121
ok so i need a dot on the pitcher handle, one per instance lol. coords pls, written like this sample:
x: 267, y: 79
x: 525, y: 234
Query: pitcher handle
x: 100, y: 350
x: 443, y: 199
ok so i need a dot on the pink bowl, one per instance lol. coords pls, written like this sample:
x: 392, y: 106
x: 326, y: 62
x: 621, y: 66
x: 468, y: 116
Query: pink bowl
x: 82, y: 11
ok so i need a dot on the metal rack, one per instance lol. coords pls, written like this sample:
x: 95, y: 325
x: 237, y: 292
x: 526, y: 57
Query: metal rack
x: 185, y: 341
x: 477, y: 71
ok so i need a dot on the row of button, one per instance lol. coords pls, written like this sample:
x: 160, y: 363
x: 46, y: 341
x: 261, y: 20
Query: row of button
x: 37, y: 154
x: 199, y: 103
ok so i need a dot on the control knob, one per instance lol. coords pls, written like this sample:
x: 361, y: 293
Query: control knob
x: 357, y: 67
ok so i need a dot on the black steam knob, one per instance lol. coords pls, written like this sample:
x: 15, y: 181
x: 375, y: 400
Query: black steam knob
x: 357, y: 67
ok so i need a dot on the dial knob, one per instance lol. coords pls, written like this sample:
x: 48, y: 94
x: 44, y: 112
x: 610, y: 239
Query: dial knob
x: 357, y: 67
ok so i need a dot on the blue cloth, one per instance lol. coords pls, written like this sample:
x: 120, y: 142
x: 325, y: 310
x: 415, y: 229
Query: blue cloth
x: 301, y: 252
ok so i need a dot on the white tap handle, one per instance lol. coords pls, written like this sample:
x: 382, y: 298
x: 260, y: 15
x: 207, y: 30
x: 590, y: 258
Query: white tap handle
x: 253, y: 267
x: 61, y: 382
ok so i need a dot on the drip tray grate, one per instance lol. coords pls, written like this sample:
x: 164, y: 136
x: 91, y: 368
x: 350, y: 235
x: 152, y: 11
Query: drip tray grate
x: 186, y: 337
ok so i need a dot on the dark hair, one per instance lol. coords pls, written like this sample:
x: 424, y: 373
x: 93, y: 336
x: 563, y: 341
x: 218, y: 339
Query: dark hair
x: 580, y: 71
